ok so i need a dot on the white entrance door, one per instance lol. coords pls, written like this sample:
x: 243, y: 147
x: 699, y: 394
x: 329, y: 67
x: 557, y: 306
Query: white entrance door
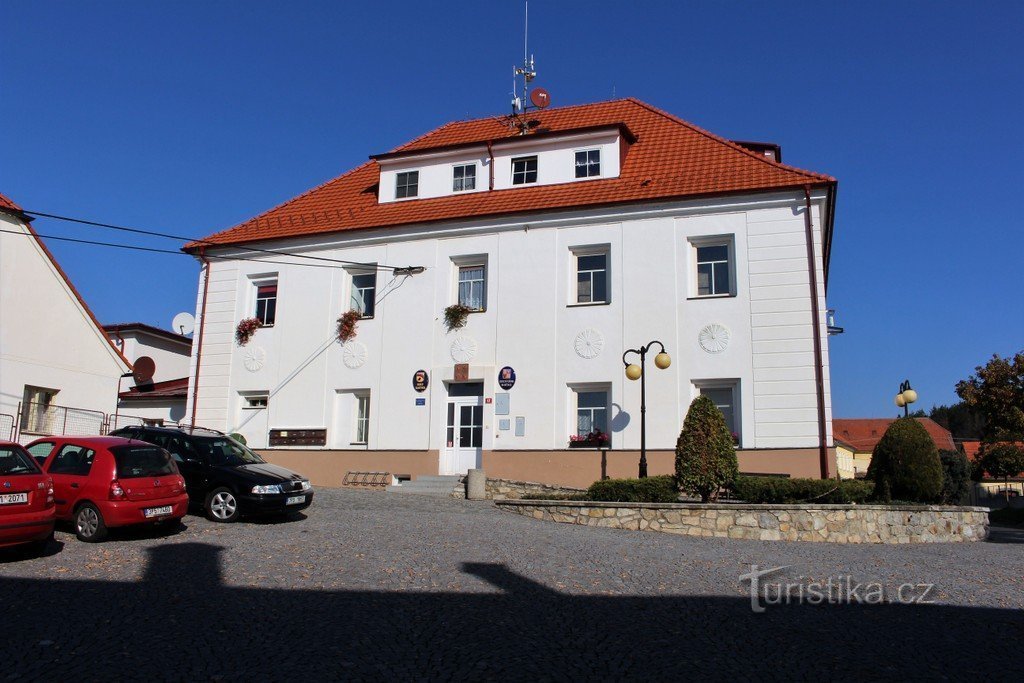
x: 464, y: 434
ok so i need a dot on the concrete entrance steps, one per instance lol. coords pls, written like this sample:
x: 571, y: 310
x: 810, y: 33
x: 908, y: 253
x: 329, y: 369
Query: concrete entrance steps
x: 438, y: 486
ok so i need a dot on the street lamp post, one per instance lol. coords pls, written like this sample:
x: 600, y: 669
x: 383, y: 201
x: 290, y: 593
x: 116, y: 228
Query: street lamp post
x: 636, y: 372
x: 905, y: 397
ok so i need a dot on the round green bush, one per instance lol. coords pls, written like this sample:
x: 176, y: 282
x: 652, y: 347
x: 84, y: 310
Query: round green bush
x: 705, y: 452
x: 660, y: 489
x: 905, y: 464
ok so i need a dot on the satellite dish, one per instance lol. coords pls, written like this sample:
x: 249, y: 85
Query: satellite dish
x: 143, y: 369
x: 183, y: 323
x: 540, y: 98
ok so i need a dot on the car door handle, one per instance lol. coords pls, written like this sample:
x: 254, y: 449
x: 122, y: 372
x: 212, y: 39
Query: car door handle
x: 74, y: 486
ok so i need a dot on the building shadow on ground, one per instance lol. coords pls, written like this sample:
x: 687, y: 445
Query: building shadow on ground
x: 182, y: 622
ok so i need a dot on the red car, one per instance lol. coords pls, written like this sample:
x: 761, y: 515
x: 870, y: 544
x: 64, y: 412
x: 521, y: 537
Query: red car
x: 101, y: 482
x: 27, y: 512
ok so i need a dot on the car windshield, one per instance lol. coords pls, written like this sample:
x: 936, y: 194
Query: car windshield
x: 142, y: 461
x: 226, y: 451
x: 14, y: 460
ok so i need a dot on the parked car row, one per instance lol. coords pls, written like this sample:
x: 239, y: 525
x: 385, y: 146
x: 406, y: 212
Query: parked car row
x: 136, y: 476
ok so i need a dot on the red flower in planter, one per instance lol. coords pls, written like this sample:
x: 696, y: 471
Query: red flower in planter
x: 246, y: 328
x: 347, y: 325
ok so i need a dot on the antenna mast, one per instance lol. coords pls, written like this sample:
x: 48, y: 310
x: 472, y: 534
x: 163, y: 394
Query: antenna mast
x: 540, y: 97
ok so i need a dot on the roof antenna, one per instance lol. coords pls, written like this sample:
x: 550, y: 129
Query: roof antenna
x: 539, y: 98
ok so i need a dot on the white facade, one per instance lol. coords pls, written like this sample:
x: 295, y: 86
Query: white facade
x: 532, y: 323
x: 51, y: 349
x: 171, y: 356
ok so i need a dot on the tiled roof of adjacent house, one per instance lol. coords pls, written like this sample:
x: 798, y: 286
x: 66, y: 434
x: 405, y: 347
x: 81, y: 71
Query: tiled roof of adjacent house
x: 147, y: 329
x: 172, y: 388
x: 863, y: 434
x: 669, y: 159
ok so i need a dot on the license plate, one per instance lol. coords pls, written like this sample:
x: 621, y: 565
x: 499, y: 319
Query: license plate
x: 295, y: 500
x: 12, y: 498
x: 157, y: 512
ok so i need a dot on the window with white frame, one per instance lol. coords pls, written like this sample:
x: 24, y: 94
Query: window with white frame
x: 588, y: 163
x: 464, y: 177
x: 591, y: 275
x: 473, y: 286
x: 255, y: 400
x: 524, y: 170
x: 266, y: 301
x: 724, y: 396
x: 714, y: 268
x: 364, y: 292
x: 407, y: 184
x: 361, y: 420
x: 591, y: 410
x: 36, y: 409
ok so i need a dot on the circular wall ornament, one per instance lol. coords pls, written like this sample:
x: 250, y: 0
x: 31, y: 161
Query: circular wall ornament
x: 463, y: 349
x: 713, y: 338
x: 255, y: 358
x: 353, y: 354
x: 589, y: 343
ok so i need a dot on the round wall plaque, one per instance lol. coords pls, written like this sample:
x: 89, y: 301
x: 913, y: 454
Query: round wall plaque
x: 589, y: 343
x: 463, y: 349
x: 353, y: 354
x: 420, y: 380
x: 506, y: 378
x: 255, y: 358
x: 713, y: 338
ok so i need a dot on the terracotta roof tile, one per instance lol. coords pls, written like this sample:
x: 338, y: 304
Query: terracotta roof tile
x: 670, y: 159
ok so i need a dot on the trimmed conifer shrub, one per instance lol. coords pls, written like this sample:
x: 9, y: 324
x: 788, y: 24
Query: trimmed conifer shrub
x: 956, y: 477
x: 705, y: 453
x: 660, y: 489
x: 905, y: 464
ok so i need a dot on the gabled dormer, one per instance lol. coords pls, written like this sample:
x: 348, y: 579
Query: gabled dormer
x: 506, y: 163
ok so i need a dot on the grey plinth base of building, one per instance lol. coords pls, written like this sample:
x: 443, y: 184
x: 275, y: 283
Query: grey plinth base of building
x: 476, y: 485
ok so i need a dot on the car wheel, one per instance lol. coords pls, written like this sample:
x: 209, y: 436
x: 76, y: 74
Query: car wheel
x: 89, y: 525
x: 222, y: 505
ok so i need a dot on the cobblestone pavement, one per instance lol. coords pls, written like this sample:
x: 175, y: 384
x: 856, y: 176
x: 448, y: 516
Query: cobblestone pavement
x: 372, y: 586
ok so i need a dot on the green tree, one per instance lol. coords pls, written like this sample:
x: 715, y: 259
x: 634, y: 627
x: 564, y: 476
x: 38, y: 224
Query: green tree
x: 996, y: 390
x: 905, y: 464
x: 705, y: 454
x: 956, y: 477
x: 961, y: 421
x: 1002, y: 461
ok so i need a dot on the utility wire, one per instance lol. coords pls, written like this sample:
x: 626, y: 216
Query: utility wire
x: 139, y: 231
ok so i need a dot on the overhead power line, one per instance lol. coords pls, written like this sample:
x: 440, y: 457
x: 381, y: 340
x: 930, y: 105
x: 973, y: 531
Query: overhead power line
x: 153, y: 233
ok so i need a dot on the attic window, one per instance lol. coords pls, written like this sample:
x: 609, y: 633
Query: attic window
x: 588, y: 163
x: 524, y: 170
x: 407, y: 184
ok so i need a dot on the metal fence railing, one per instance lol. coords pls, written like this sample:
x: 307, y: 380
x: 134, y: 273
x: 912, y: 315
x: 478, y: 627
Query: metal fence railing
x: 7, y: 427
x: 50, y: 420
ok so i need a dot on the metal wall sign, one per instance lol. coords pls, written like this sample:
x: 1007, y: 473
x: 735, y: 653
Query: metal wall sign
x: 421, y: 401
x: 420, y: 380
x: 506, y: 378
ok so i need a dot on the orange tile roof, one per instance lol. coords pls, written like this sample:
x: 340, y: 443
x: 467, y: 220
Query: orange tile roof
x: 670, y: 159
x: 863, y: 434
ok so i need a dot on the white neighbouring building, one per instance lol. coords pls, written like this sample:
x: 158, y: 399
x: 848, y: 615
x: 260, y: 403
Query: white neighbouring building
x: 600, y: 229
x: 58, y: 372
x: 160, y: 399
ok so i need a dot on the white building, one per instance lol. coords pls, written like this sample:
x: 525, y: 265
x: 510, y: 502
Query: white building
x: 58, y: 372
x: 602, y: 228
x: 161, y: 398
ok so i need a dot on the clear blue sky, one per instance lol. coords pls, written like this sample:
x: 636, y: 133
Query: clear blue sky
x: 188, y: 117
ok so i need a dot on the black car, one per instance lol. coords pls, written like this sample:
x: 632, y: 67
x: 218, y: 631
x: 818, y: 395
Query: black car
x: 224, y: 476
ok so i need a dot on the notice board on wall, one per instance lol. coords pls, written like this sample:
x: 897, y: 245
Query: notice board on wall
x: 298, y: 437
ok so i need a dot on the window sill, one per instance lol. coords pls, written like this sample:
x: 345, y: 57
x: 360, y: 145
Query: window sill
x: 358, y: 443
x: 711, y: 296
x: 591, y: 303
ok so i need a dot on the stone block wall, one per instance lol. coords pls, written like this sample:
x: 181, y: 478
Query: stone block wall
x: 506, y: 489
x: 820, y: 523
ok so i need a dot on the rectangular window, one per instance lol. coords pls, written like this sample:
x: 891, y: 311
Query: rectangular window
x: 362, y: 419
x: 464, y: 178
x: 714, y: 269
x: 266, y: 302
x: 591, y: 278
x: 255, y: 401
x: 473, y: 286
x: 524, y: 170
x: 591, y: 411
x: 37, y: 409
x: 364, y: 293
x: 724, y: 398
x: 588, y: 163
x: 407, y: 184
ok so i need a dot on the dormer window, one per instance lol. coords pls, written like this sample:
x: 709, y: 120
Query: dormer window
x: 524, y: 170
x: 464, y: 177
x: 407, y: 184
x: 588, y: 163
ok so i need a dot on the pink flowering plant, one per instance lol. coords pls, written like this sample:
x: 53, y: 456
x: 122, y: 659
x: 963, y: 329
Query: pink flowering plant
x: 593, y: 438
x: 347, y: 325
x: 246, y: 328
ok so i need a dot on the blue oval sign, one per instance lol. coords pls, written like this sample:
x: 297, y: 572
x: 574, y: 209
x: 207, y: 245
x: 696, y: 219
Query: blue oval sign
x: 506, y: 378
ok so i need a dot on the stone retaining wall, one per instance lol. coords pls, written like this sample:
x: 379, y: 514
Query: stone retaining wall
x: 506, y: 489
x: 823, y: 523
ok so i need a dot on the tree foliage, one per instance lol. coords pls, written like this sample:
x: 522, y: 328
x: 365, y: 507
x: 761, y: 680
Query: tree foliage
x: 705, y: 453
x: 956, y: 477
x: 1002, y: 461
x: 905, y: 464
x: 996, y: 390
x: 960, y: 419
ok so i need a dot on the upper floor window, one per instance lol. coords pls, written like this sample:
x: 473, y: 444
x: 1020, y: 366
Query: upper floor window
x: 364, y: 293
x: 266, y: 302
x: 714, y: 269
x: 524, y: 170
x: 407, y: 184
x: 591, y: 277
x: 362, y: 419
x: 473, y: 286
x: 588, y: 163
x: 255, y: 400
x: 464, y: 177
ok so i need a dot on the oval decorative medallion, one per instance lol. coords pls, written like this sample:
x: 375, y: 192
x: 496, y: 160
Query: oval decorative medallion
x: 589, y: 343
x: 353, y: 354
x: 463, y: 349
x: 713, y: 338
x: 255, y: 358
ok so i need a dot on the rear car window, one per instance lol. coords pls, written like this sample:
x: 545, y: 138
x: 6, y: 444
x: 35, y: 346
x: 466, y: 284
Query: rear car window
x: 142, y: 461
x: 14, y: 460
